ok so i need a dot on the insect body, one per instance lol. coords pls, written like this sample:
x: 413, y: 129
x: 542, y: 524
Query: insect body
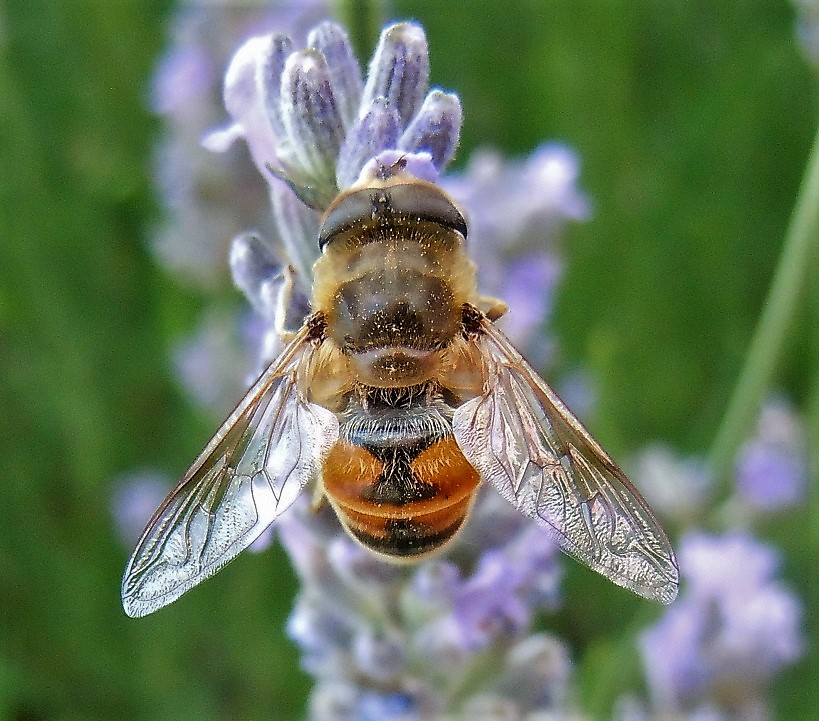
x: 397, y: 397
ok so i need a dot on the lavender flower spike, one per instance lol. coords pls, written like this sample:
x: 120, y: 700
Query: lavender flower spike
x: 394, y: 642
x: 310, y: 120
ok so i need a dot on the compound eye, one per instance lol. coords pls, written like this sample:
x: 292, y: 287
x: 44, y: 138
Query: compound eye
x: 418, y: 201
x: 425, y: 201
x: 346, y: 212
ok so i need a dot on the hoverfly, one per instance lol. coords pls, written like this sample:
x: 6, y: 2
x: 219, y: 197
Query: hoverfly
x: 395, y: 400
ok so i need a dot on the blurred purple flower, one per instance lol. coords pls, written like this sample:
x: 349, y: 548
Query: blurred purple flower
x: 516, y: 213
x: 675, y: 487
x: 772, y: 467
x: 208, y: 201
x: 489, y: 603
x: 771, y: 472
x: 212, y: 363
x: 136, y: 495
x: 807, y: 28
x: 731, y: 631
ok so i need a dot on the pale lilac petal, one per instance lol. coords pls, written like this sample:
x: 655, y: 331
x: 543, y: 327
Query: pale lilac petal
x: 771, y: 477
x: 772, y: 467
x: 136, y: 495
x: 244, y: 100
x: 418, y: 164
x: 733, y: 564
x: 732, y: 629
x: 184, y: 76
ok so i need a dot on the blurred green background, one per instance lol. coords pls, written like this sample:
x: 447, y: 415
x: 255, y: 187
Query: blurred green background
x: 693, y: 122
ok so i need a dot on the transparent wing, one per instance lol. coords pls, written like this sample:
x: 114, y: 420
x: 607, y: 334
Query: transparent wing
x: 264, y: 454
x: 523, y: 440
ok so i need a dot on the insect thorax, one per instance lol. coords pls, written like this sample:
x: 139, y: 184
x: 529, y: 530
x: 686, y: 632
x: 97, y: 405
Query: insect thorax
x: 393, y: 284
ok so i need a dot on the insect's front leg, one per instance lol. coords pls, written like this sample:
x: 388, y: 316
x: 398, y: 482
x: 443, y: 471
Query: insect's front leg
x: 276, y: 338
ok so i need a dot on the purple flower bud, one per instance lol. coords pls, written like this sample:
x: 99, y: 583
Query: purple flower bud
x: 435, y: 129
x: 253, y: 267
x: 374, y: 131
x: 269, y: 84
x: 399, y: 70
x: 345, y: 74
x: 245, y: 101
x: 310, y: 115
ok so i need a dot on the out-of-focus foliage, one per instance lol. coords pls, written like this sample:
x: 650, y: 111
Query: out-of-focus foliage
x: 693, y: 122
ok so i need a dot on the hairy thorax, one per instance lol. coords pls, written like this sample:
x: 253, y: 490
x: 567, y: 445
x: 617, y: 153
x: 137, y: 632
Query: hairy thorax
x: 393, y: 295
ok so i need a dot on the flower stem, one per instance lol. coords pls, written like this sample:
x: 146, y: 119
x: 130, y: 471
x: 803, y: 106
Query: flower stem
x: 813, y: 431
x: 790, y: 277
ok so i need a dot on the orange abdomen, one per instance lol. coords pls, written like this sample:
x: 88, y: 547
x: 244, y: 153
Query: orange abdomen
x: 402, y: 501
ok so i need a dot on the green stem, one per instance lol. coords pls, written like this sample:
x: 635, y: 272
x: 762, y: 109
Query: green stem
x: 813, y: 434
x: 780, y: 306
